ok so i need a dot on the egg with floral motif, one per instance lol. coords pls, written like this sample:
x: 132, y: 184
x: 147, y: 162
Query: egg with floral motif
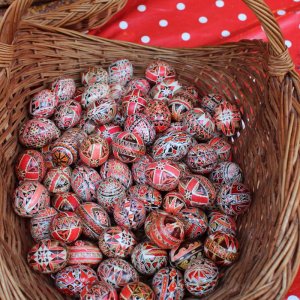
x: 94, y: 75
x: 63, y: 88
x: 120, y: 71
x: 165, y: 90
x: 138, y: 83
x: 159, y: 70
x: 93, y: 93
x: 134, y: 102
x: 117, y: 91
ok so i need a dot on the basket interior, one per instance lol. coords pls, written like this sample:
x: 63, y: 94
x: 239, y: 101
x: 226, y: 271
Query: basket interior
x: 237, y: 71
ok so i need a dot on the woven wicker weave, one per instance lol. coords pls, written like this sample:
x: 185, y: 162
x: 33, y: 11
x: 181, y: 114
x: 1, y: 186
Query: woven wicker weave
x: 260, y: 76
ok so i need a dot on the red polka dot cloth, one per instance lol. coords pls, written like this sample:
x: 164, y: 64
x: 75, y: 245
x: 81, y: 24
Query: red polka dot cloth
x: 190, y: 23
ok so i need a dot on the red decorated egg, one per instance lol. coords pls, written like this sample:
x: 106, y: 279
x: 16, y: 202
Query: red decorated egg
x: 136, y: 291
x: 159, y: 113
x: 94, y: 150
x: 234, y: 199
x: 93, y: 93
x: 102, y: 111
x: 210, y: 102
x: 84, y: 253
x: 226, y: 172
x: 173, y: 146
x: 87, y: 125
x: 99, y: 291
x: 173, y: 202
x: 195, y: 222
x: 199, y: 124
x: 108, y: 131
x: 130, y: 213
x: 151, y: 198
x: 184, y: 170
x: 94, y: 75
x: 48, y: 256
x: 94, y: 219
x: 71, y: 280
x: 118, y: 170
x: 116, y: 91
x: 64, y: 150
x: 30, y: 165
x: 159, y: 70
x: 66, y: 201
x: 117, y: 241
x: 222, y: 147
x: 117, y: 272
x: 43, y: 104
x: 46, y: 152
x: 40, y: 224
x: 141, y: 125
x: 66, y: 227
x: 202, y: 158
x: 120, y: 117
x: 201, y: 277
x: 134, y: 102
x: 174, y: 127
x: 221, y: 223
x: 165, y: 90
x: 182, y: 256
x: 168, y: 284
x: 178, y: 105
x: 37, y: 133
x: 151, y: 218
x: 138, y: 83
x: 67, y: 114
x: 30, y: 197
x: 78, y: 94
x: 188, y: 93
x: 109, y: 192
x: 85, y: 182
x: 63, y: 88
x: 166, y: 231
x: 120, y: 71
x: 147, y: 258
x: 222, y: 248
x: 163, y: 175
x: 197, y: 190
x: 58, y: 180
x: 192, y: 90
x: 228, y: 118
x: 128, y: 147
x: 138, y: 168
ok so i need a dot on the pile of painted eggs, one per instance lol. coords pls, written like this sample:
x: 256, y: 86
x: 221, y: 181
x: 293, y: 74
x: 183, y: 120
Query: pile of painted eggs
x: 129, y: 184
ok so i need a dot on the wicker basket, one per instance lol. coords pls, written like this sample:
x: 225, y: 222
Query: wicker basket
x: 260, y: 76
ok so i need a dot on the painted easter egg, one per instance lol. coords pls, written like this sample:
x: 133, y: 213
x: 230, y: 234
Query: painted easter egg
x: 47, y: 154
x: 43, y: 104
x: 78, y: 94
x: 147, y: 258
x: 109, y: 193
x: 226, y: 172
x: 120, y: 71
x: 37, y: 133
x: 48, y: 256
x: 117, y: 272
x: 117, y: 91
x: 94, y: 219
x: 134, y: 102
x: 63, y: 88
x: 163, y: 175
x: 66, y: 201
x: 136, y: 291
x: 58, y: 180
x: 195, y: 222
x: 168, y: 284
x: 174, y: 127
x: 120, y: 117
x: 211, y: 101
x: 71, y: 280
x: 159, y: 70
x: 85, y: 124
x: 94, y: 75
x: 173, y: 202
x: 40, y: 224
x: 165, y: 90
x: 201, y: 277
x: 178, y: 105
x: 30, y: 165
x: 222, y: 147
x: 85, y: 182
x: 138, y: 168
x: 138, y: 83
x: 221, y: 223
x: 108, y: 131
x: 93, y: 93
x: 185, y: 253
x: 99, y: 291
x: 141, y: 125
x: 117, y: 241
x: 29, y: 198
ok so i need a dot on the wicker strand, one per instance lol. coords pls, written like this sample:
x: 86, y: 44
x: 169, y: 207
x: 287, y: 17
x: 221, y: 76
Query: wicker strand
x: 280, y: 64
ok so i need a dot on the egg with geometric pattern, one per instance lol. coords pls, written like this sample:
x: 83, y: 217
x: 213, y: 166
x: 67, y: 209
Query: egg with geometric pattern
x: 136, y: 291
x: 120, y: 71
x: 58, y: 180
x: 99, y: 290
x: 63, y: 88
x: 159, y: 70
x: 138, y: 168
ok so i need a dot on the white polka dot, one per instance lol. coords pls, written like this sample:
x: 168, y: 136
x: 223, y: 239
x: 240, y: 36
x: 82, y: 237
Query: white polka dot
x: 219, y: 3
x: 242, y: 17
x: 123, y: 25
x: 288, y: 43
x: 292, y: 297
x: 203, y: 20
x: 281, y: 12
x: 145, y: 39
x: 142, y: 8
x: 163, y: 23
x: 296, y: 0
x: 225, y: 33
x: 185, y: 36
x: 180, y: 6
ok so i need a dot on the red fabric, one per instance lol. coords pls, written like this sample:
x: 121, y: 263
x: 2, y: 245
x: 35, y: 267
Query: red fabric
x: 190, y: 23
